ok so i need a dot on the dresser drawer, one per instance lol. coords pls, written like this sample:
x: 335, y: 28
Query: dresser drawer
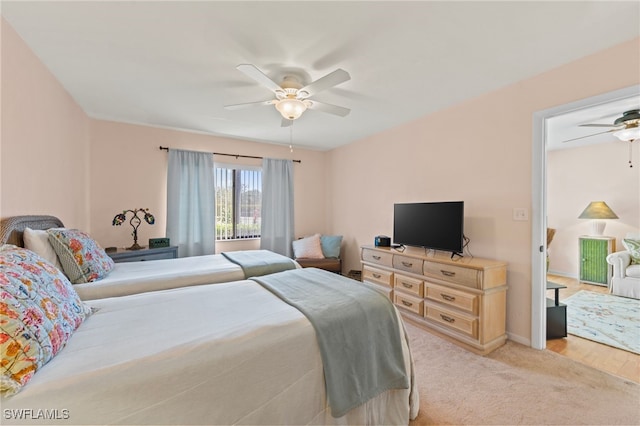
x: 379, y: 257
x: 456, y: 321
x: 408, y: 285
x: 377, y: 276
x: 409, y: 264
x: 410, y: 303
x: 458, y: 299
x: 455, y: 274
x: 386, y: 291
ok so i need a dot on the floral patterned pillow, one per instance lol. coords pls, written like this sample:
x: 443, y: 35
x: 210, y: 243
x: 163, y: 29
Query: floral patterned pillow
x: 82, y: 259
x: 633, y: 246
x: 39, y: 311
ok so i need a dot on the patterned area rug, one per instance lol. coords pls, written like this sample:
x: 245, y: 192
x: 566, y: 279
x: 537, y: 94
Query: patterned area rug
x: 605, y: 318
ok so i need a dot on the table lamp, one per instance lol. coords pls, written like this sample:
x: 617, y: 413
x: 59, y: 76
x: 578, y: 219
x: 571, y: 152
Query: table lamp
x: 598, y: 210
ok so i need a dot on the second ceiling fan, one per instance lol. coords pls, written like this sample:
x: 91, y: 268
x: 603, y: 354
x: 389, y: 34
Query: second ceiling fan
x: 292, y: 99
x: 626, y: 127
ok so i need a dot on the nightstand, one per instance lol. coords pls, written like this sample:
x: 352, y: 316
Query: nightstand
x: 556, y: 313
x: 124, y: 255
x: 594, y: 268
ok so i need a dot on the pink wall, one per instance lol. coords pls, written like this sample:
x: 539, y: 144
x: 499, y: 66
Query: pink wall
x: 581, y: 175
x: 129, y: 171
x: 44, y: 149
x: 479, y: 151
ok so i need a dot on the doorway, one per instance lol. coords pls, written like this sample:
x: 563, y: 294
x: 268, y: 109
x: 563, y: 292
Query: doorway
x: 539, y: 202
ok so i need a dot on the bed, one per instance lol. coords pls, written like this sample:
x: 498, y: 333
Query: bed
x: 138, y: 277
x: 229, y: 353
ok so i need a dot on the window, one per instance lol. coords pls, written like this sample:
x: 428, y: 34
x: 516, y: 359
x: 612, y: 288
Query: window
x: 238, y: 202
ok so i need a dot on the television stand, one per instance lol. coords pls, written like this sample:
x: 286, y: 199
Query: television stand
x: 461, y: 300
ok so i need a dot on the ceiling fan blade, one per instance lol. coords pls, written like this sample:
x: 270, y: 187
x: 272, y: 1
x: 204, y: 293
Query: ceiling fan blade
x: 331, y: 109
x: 286, y: 122
x: 323, y: 83
x: 599, y: 125
x: 248, y: 105
x: 253, y: 72
x: 588, y: 136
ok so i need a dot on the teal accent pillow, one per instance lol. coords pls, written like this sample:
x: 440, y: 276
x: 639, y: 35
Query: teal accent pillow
x: 39, y: 311
x: 331, y: 245
x: 82, y: 258
x: 633, y: 247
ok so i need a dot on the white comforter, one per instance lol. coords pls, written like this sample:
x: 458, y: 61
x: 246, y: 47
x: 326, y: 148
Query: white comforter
x: 139, y: 277
x: 228, y: 353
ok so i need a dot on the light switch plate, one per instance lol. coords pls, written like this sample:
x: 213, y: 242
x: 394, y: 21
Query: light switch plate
x: 520, y: 214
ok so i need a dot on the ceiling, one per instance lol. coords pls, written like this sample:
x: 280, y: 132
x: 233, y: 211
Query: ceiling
x: 173, y: 64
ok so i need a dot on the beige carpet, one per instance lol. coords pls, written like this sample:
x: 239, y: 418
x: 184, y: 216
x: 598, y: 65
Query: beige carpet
x: 515, y: 385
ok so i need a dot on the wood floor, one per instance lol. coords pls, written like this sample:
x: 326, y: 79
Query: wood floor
x: 606, y: 358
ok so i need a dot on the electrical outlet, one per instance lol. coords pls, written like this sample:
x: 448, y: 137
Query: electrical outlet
x: 520, y: 214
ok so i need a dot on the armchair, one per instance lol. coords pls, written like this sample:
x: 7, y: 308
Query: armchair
x: 626, y: 275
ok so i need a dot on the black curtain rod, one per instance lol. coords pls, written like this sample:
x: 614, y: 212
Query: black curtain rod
x: 165, y: 148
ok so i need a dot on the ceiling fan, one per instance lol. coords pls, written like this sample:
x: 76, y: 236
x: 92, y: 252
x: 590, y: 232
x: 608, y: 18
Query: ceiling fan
x: 626, y: 128
x: 292, y: 98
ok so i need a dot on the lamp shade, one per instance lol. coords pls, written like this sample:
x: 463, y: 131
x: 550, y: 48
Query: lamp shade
x: 598, y: 210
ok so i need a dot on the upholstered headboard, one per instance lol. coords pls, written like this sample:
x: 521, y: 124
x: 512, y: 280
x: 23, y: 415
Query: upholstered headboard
x: 11, y: 228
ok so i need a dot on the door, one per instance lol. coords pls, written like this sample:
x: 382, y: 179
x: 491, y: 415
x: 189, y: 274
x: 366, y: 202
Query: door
x: 539, y: 205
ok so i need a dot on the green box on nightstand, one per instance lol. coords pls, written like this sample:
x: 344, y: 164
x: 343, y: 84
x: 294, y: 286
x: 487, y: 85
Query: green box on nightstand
x: 158, y: 242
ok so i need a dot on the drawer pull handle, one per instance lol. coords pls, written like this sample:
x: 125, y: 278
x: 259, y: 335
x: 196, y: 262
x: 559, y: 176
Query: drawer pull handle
x: 448, y: 273
x: 376, y: 257
x: 407, y: 264
x: 447, y: 318
x: 407, y: 285
x: 376, y: 275
x: 447, y: 297
x: 405, y: 303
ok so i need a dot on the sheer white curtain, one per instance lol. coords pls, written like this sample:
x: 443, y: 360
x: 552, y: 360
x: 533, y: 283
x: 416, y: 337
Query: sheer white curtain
x: 191, y: 211
x: 277, y: 206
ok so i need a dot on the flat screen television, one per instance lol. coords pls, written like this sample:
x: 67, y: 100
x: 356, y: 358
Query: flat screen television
x: 434, y: 225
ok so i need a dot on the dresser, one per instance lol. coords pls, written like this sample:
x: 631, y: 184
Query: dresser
x: 124, y: 255
x: 462, y: 300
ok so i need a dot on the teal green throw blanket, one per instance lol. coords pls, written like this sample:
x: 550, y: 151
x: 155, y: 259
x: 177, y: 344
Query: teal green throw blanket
x: 259, y: 262
x: 357, y: 330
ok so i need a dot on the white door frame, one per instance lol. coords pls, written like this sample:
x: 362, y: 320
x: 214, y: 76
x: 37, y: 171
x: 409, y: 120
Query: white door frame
x: 539, y: 205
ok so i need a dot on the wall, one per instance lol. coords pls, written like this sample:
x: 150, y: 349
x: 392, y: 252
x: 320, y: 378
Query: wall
x: 44, y: 151
x: 592, y: 173
x: 56, y: 160
x: 479, y: 151
x: 130, y: 171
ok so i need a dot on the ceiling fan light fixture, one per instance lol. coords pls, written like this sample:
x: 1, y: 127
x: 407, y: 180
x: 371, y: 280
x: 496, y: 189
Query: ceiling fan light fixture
x: 291, y: 98
x: 290, y: 108
x: 629, y: 134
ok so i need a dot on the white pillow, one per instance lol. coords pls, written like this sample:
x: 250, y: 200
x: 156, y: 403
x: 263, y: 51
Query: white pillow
x: 37, y: 240
x: 308, y: 248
